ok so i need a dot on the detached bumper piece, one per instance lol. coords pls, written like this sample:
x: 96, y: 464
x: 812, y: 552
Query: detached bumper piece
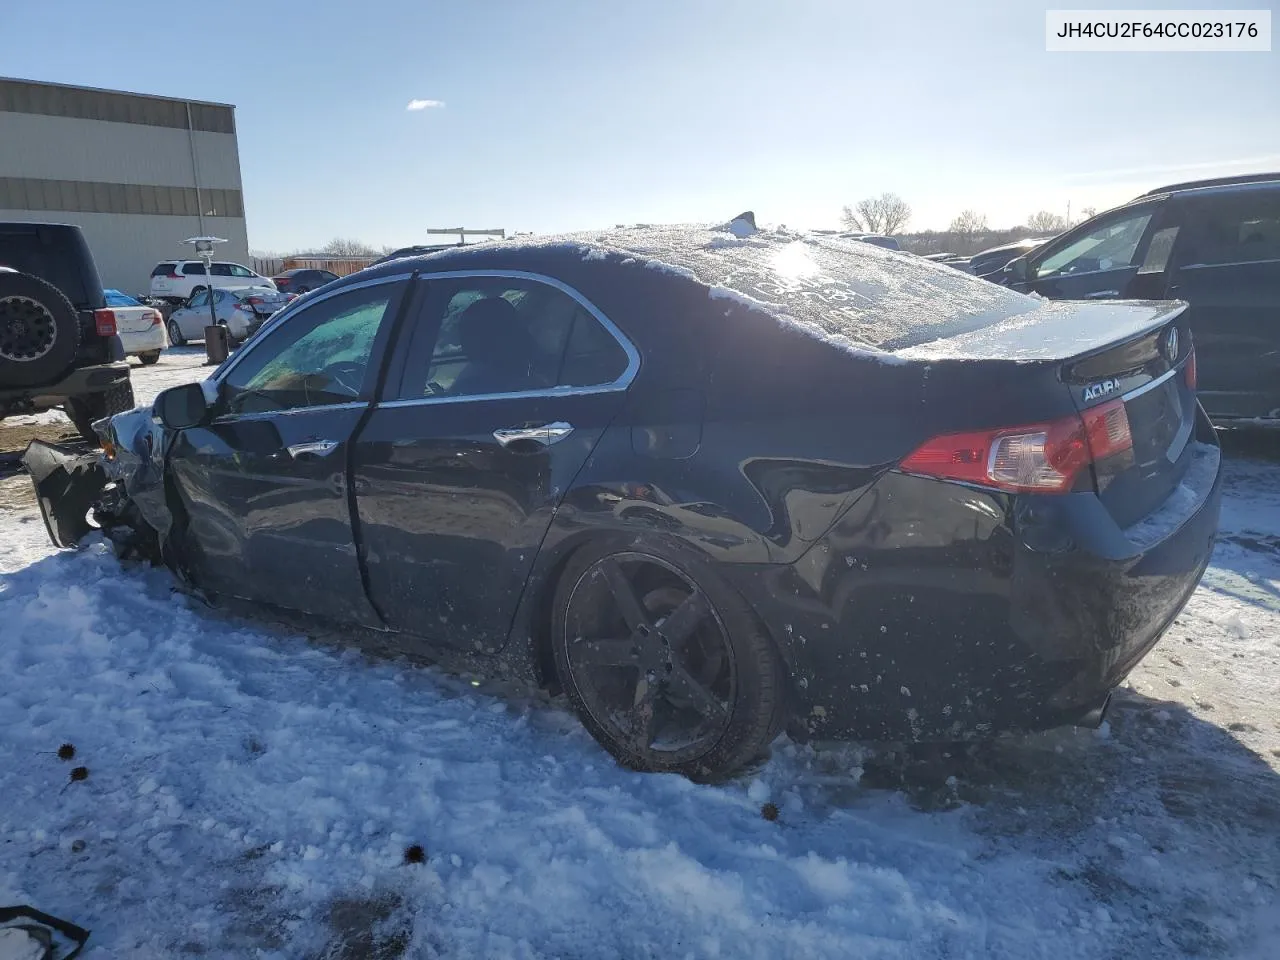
x: 27, y: 932
x: 67, y: 484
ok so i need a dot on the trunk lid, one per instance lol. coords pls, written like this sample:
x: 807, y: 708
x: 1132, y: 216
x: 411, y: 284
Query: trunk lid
x: 1136, y: 353
x: 133, y: 319
x: 1152, y: 375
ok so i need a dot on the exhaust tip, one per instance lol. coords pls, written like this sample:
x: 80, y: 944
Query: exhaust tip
x: 1092, y: 719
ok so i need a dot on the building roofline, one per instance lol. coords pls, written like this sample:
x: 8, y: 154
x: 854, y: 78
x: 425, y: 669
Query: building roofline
x: 127, y: 93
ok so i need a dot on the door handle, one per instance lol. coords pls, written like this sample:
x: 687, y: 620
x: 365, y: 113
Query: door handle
x: 1102, y: 294
x: 315, y: 448
x: 544, y: 435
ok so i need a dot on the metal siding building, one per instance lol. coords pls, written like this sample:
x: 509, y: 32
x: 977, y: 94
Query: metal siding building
x: 139, y: 174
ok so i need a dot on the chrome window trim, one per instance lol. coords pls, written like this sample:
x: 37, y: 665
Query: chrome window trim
x: 264, y: 414
x: 280, y: 316
x: 622, y: 382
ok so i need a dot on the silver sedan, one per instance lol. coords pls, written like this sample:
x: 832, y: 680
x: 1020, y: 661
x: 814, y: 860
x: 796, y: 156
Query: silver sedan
x: 242, y: 310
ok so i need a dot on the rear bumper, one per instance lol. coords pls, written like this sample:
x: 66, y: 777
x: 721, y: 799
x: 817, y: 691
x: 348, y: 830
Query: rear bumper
x: 78, y: 383
x: 144, y: 341
x: 936, y: 611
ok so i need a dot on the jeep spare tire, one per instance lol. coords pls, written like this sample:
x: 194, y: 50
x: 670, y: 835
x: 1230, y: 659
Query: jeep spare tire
x: 39, y: 331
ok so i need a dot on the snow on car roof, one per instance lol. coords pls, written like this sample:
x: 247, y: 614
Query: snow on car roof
x: 850, y: 293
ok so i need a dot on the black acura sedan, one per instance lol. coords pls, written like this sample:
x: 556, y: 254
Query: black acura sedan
x: 710, y: 482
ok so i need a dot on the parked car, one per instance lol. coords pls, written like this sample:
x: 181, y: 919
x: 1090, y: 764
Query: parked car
x: 177, y: 280
x: 58, y: 341
x: 140, y: 327
x: 994, y: 259
x: 1212, y: 243
x: 242, y: 311
x: 684, y: 482
x: 875, y: 239
x: 302, y: 280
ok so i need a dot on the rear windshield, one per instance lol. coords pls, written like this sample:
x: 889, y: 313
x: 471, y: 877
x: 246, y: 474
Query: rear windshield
x: 845, y: 289
x: 54, y: 255
x: 163, y: 269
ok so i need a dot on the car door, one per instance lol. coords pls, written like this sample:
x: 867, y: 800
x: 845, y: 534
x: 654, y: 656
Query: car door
x: 1104, y: 259
x: 1228, y: 271
x: 264, y: 483
x: 508, y: 383
x: 193, y: 317
x: 193, y: 276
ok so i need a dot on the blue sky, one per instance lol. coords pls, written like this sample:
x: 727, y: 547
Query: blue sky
x: 565, y: 114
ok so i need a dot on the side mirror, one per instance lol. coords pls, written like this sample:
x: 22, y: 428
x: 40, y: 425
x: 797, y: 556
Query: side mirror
x: 182, y: 407
x: 1016, y: 271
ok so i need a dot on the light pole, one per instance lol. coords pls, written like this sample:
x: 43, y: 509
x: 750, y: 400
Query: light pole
x: 204, y: 247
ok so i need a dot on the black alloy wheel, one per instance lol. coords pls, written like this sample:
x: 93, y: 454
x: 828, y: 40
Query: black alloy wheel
x: 667, y: 670
x: 27, y: 329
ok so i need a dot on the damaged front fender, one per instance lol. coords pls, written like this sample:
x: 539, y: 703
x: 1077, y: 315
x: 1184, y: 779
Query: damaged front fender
x: 122, y: 485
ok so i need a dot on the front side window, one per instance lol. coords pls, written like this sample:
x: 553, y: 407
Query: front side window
x: 500, y: 335
x: 193, y: 269
x: 222, y: 270
x: 1112, y: 245
x: 239, y: 271
x: 320, y: 355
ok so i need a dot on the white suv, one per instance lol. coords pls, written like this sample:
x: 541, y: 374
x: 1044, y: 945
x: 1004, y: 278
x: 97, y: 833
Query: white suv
x: 177, y: 280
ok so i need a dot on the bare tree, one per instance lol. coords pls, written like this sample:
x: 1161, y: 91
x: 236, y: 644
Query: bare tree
x: 969, y: 221
x: 342, y: 247
x: 1046, y: 223
x: 1088, y: 213
x: 887, y: 214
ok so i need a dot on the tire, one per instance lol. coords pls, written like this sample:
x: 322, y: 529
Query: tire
x: 175, y: 334
x: 39, y: 331
x: 84, y: 410
x: 150, y: 358
x: 738, y: 674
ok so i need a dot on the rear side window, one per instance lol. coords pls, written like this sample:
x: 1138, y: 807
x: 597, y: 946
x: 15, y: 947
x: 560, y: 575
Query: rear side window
x: 499, y: 335
x: 193, y: 269
x: 222, y: 270
x: 162, y: 270
x: 1236, y: 232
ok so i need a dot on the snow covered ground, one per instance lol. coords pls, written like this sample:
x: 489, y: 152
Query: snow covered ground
x: 252, y: 793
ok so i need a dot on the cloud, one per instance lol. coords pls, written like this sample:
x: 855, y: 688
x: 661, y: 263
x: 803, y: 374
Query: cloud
x: 415, y: 105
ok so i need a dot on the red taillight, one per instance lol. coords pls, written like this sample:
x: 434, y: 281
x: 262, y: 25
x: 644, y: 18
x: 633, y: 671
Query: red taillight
x: 281, y: 282
x: 105, y: 322
x: 1189, y: 371
x: 173, y: 276
x: 256, y: 300
x: 1039, y: 458
x: 156, y: 318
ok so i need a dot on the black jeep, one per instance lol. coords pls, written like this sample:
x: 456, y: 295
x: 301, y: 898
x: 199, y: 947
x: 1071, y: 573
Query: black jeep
x: 58, y: 343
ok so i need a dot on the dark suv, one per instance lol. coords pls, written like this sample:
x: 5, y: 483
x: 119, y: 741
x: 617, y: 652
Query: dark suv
x: 58, y: 342
x: 1214, y: 244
